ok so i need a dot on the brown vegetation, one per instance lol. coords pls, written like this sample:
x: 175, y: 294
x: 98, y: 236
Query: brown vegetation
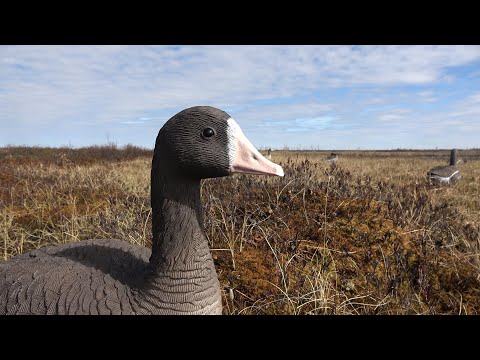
x: 367, y: 235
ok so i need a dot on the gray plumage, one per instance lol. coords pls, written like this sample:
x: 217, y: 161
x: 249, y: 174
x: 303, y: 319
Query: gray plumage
x: 114, y: 277
x: 332, y: 157
x: 448, y: 174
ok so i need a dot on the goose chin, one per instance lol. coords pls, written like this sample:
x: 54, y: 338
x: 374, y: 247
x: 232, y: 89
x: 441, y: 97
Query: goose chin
x: 258, y: 169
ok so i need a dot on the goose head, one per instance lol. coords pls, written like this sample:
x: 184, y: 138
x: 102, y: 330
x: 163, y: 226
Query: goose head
x: 205, y: 142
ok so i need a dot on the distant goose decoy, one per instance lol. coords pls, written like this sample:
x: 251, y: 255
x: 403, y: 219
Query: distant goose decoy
x: 114, y: 277
x: 269, y: 154
x: 448, y: 174
x: 332, y: 157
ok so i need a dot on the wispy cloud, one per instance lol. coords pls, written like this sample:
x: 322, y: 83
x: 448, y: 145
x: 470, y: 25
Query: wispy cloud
x: 474, y: 98
x: 316, y: 123
x: 394, y: 115
x: 140, y: 120
x: 80, y: 93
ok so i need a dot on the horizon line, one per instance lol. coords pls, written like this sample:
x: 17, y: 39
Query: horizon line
x: 260, y: 148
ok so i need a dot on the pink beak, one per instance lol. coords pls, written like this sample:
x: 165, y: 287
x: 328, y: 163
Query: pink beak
x: 249, y: 160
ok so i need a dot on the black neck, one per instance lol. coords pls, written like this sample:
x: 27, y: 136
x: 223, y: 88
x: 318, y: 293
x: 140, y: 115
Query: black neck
x: 180, y: 276
x: 453, y: 157
x: 177, y: 218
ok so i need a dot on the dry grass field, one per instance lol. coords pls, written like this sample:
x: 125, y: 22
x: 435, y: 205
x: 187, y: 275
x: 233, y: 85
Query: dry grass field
x: 367, y: 235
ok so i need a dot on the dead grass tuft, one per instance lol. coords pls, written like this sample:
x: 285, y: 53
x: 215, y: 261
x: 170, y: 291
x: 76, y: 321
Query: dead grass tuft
x: 367, y: 235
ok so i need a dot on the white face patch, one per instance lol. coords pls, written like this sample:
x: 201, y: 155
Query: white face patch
x: 232, y: 130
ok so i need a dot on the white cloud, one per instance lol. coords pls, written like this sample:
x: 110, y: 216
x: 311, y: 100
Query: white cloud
x: 470, y: 106
x: 390, y: 117
x: 427, y: 96
x: 105, y: 86
x: 393, y: 115
x: 474, y: 98
x: 425, y: 93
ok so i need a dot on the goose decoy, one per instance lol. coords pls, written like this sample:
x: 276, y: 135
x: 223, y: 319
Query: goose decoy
x: 332, y: 157
x: 269, y: 154
x: 114, y: 277
x: 447, y: 174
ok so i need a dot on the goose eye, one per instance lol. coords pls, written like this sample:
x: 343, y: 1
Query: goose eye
x: 208, y: 132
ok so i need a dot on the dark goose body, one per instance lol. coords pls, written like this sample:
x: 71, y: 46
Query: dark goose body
x: 447, y: 174
x: 177, y: 276
x: 332, y: 157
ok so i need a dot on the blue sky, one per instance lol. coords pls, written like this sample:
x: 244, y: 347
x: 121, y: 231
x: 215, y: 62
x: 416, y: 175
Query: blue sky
x: 310, y: 97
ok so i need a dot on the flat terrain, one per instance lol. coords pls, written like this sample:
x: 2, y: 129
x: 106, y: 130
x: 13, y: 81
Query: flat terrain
x: 366, y: 235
